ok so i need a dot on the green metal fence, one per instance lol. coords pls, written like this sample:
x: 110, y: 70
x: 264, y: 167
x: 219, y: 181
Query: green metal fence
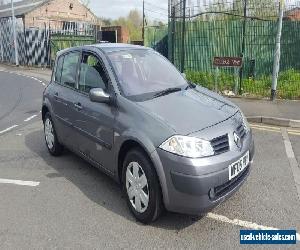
x: 63, y: 41
x: 233, y: 28
x: 156, y: 37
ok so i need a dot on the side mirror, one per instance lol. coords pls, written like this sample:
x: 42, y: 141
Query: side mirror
x: 99, y: 95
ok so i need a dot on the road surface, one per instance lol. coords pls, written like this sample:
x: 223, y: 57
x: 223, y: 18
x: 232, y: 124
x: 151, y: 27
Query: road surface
x: 63, y: 202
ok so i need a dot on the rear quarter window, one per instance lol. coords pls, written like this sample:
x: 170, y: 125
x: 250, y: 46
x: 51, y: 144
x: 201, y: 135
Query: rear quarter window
x: 58, y: 69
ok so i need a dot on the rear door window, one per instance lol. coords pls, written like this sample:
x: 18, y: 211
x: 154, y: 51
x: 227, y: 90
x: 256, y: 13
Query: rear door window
x: 69, y: 69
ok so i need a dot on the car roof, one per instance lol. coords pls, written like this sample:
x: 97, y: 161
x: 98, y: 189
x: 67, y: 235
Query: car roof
x: 106, y: 47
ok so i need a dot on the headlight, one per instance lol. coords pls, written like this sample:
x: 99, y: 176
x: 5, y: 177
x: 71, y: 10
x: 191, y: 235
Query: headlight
x: 245, y: 122
x: 188, y: 146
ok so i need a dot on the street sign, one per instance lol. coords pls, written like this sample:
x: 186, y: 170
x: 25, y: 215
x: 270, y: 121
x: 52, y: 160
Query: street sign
x: 228, y: 61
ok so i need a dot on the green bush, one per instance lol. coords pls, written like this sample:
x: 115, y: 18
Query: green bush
x: 288, y: 83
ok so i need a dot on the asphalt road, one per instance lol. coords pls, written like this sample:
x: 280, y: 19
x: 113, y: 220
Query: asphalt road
x: 75, y: 206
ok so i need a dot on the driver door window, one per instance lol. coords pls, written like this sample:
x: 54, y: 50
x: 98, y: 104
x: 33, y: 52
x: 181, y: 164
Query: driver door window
x: 92, y: 74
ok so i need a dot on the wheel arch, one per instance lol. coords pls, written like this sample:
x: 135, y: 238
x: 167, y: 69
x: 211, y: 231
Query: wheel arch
x: 45, y: 109
x: 126, y: 146
x: 150, y: 151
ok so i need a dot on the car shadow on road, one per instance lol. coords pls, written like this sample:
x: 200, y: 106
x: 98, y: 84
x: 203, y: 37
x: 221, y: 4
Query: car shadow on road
x: 97, y: 186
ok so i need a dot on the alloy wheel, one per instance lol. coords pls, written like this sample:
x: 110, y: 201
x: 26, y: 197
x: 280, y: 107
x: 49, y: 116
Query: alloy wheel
x: 49, y: 134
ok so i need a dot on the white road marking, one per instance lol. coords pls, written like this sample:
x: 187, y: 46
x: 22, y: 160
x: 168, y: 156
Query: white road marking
x: 8, y: 129
x: 19, y: 182
x: 292, y: 159
x: 21, y: 74
x: 242, y: 223
x: 30, y: 118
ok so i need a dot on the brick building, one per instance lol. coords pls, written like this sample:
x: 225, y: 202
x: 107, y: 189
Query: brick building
x: 38, y: 13
x: 122, y: 33
x: 293, y: 14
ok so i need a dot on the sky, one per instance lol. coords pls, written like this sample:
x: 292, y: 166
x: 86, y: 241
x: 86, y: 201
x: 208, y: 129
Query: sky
x: 116, y: 8
x: 155, y: 9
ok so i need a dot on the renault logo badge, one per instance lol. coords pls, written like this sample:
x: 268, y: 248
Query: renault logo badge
x: 237, y: 140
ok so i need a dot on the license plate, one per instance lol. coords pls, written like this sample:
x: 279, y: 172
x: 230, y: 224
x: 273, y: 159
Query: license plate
x: 237, y: 167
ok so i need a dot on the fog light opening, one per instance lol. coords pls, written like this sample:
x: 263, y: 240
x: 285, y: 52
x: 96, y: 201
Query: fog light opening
x: 211, y: 193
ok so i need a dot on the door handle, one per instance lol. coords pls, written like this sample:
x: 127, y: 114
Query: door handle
x: 78, y: 105
x: 56, y: 95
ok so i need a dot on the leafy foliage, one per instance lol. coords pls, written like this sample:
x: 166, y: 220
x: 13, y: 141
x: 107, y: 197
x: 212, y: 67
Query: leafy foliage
x: 288, y: 83
x: 133, y: 22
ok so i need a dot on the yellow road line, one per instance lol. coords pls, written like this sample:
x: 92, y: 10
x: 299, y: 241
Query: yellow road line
x: 265, y: 129
x: 294, y: 130
x: 292, y: 133
x: 274, y: 129
x: 263, y: 126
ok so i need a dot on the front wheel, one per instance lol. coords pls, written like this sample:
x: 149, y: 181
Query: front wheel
x: 140, y: 183
x: 54, y: 147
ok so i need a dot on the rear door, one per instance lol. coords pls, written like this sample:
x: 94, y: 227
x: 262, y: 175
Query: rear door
x: 94, y: 121
x: 64, y: 96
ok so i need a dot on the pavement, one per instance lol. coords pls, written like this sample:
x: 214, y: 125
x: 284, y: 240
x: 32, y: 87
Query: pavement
x: 62, y: 202
x: 279, y: 112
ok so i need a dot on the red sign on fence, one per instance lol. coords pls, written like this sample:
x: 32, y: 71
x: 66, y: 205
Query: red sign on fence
x: 228, y: 61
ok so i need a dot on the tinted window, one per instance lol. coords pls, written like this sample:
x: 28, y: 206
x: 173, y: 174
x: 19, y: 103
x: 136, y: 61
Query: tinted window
x: 92, y: 74
x: 68, y: 75
x: 59, y: 64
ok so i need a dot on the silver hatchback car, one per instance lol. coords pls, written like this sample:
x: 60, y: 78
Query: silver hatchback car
x: 128, y: 111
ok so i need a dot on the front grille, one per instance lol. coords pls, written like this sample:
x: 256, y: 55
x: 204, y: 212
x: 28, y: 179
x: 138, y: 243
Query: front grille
x: 220, y: 144
x: 225, y: 188
x: 241, y: 130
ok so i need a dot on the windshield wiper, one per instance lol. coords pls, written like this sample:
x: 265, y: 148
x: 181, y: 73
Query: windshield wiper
x: 190, y: 86
x: 167, y: 91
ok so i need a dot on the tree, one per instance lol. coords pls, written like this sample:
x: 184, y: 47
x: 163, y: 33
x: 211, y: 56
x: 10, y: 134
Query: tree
x: 106, y: 21
x: 257, y: 8
x: 133, y: 22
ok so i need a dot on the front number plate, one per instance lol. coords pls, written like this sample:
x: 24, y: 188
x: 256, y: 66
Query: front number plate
x: 237, y: 167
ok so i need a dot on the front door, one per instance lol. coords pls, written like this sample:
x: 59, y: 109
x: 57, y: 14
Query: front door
x: 94, y: 121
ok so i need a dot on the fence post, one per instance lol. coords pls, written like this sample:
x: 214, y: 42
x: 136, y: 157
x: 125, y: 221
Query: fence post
x: 276, y: 64
x: 14, y: 32
x: 236, y: 80
x: 216, y: 79
x: 183, y: 39
x: 243, y: 44
x: 1, y: 42
x: 173, y: 35
x: 143, y: 29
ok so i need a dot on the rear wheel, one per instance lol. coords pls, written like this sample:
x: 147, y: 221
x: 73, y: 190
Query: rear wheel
x: 54, y: 147
x: 140, y: 183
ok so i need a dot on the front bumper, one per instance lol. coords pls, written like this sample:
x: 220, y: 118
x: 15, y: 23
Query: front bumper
x: 195, y: 186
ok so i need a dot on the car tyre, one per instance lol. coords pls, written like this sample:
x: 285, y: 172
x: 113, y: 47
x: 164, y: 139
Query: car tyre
x: 53, y: 146
x: 139, y: 180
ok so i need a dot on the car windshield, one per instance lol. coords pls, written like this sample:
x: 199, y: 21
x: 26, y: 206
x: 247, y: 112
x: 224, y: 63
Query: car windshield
x: 144, y: 73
